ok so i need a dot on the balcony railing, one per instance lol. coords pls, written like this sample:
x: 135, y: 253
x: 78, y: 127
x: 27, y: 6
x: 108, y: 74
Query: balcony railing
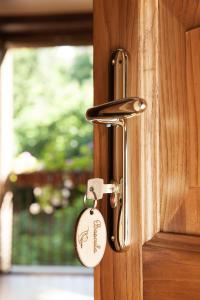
x: 45, y: 208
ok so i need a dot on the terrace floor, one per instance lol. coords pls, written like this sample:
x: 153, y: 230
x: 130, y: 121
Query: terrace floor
x: 47, y: 283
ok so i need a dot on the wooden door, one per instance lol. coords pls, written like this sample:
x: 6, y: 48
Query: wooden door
x: 163, y: 41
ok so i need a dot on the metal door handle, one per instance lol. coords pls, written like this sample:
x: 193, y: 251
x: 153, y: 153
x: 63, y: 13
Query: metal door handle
x: 116, y: 113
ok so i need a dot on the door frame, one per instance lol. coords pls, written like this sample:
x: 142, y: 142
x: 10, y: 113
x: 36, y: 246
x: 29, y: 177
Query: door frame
x: 73, y: 29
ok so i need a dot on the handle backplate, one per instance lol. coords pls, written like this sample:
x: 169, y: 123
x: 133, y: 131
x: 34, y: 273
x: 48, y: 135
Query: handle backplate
x: 115, y: 113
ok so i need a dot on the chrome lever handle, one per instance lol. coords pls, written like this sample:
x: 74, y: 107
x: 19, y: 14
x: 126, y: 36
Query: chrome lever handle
x: 115, y: 111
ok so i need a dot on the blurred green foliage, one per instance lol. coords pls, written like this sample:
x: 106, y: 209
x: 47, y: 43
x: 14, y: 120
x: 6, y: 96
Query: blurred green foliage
x: 52, y: 91
x: 51, y: 95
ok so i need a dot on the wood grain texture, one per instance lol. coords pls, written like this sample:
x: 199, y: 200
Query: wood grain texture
x: 115, y: 26
x: 148, y: 88
x: 179, y: 205
x: 193, y: 105
x: 191, y: 202
x: 186, y: 11
x: 171, y: 267
x: 132, y: 25
x: 173, y: 124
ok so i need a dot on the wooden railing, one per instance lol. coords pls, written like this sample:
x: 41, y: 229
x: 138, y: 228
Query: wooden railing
x: 54, y: 178
x: 45, y: 238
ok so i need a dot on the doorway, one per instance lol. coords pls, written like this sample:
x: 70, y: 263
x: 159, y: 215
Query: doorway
x: 52, y: 159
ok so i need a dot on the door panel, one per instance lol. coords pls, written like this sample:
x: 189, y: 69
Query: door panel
x: 171, y: 264
x: 192, y: 203
x: 178, y: 107
x: 171, y: 268
x: 163, y: 146
x: 173, y: 122
x: 193, y: 105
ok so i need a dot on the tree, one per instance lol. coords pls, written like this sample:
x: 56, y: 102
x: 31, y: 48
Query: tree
x: 51, y: 95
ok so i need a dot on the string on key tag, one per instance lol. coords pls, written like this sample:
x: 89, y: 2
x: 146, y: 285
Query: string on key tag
x: 95, y: 198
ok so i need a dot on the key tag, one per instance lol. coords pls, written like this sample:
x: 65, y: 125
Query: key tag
x: 90, y: 236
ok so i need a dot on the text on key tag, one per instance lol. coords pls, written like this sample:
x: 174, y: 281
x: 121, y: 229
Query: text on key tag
x: 91, y: 237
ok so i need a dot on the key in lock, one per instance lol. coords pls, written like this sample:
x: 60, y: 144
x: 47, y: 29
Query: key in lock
x: 96, y: 188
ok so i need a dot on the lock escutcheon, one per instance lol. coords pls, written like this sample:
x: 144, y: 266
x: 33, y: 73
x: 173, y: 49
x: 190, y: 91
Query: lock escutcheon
x: 115, y: 113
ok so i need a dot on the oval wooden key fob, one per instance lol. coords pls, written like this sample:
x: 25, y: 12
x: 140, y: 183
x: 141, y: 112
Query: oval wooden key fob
x: 90, y: 237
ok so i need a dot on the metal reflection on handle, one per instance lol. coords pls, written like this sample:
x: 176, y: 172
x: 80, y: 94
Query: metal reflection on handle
x: 115, y: 113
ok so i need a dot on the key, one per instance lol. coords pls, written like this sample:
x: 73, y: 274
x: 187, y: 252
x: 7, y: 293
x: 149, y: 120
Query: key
x: 96, y: 188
